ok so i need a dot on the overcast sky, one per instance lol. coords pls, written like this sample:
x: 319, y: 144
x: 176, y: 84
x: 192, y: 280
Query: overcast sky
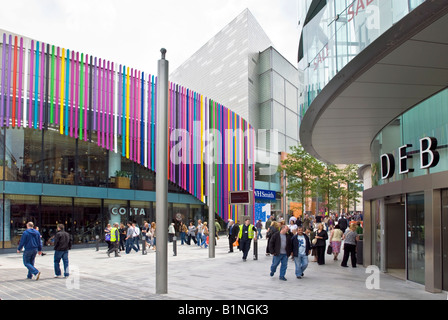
x: 132, y: 32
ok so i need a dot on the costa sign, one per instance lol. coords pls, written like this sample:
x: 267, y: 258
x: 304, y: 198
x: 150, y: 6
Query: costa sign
x: 132, y: 211
x: 429, y: 158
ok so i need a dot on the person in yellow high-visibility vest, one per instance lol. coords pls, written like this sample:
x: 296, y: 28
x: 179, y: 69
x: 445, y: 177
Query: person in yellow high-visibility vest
x: 114, y: 240
x: 246, y: 234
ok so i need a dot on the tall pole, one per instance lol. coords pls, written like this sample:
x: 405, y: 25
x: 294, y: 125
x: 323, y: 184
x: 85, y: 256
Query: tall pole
x: 162, y: 177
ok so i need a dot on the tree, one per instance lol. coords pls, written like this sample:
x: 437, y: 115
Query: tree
x: 352, y: 185
x: 302, y: 170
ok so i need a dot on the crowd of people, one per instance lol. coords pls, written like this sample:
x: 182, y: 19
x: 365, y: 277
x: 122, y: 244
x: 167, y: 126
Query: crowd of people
x: 307, y: 236
x: 300, y: 238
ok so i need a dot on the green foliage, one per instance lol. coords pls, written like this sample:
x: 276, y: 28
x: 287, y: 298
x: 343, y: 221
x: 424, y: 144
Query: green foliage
x: 308, y: 177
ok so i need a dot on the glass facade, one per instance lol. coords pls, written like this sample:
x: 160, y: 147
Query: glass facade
x: 428, y: 119
x: 51, y: 178
x: 341, y: 31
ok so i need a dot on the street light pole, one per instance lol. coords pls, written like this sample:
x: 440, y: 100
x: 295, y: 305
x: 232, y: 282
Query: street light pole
x: 162, y: 177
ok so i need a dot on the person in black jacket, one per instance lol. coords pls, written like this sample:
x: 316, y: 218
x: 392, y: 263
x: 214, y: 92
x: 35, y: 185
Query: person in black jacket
x: 301, y: 248
x: 321, y: 236
x: 62, y: 243
x: 280, y: 246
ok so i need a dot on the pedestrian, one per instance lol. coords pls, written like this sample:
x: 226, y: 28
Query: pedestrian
x: 321, y: 236
x: 350, y: 238
x: 259, y: 226
x: 146, y: 233
x: 199, y: 233
x: 246, y: 234
x: 171, y: 232
x: 273, y: 228
x: 136, y: 236
x: 122, y: 237
x: 311, y: 235
x: 62, y: 243
x: 335, y: 241
x: 204, y: 235
x: 292, y: 225
x: 114, y: 240
x: 30, y: 240
x: 107, y: 236
x: 153, y: 235
x: 217, y: 229
x: 301, y: 247
x: 183, y: 233
x: 130, y: 238
x: 343, y: 223
x: 191, y: 233
x: 232, y: 234
x: 280, y: 247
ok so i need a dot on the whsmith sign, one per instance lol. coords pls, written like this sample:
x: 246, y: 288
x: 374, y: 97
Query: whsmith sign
x: 429, y: 158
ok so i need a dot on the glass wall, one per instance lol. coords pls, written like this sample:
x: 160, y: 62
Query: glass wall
x: 341, y: 31
x: 49, y: 157
x: 84, y: 218
x: 416, y: 237
x: 445, y: 239
x: 428, y: 119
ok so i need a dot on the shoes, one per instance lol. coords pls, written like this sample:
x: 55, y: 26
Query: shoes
x: 271, y: 274
x: 36, y: 276
x: 283, y: 278
x: 299, y: 277
x: 58, y: 277
x: 344, y: 266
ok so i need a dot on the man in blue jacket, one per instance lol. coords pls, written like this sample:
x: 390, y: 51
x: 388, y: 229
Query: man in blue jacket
x: 30, y: 240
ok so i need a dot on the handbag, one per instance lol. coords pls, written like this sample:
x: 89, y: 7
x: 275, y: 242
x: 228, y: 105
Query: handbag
x: 330, y: 250
x: 314, y: 241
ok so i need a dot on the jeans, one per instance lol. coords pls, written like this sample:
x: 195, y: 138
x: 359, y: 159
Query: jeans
x: 198, y: 239
x: 301, y: 262
x: 276, y: 260
x: 183, y: 238
x: 28, y: 260
x: 58, y: 255
x: 130, y: 245
x: 204, y: 241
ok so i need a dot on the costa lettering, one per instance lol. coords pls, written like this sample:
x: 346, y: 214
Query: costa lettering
x: 429, y: 158
x: 132, y: 211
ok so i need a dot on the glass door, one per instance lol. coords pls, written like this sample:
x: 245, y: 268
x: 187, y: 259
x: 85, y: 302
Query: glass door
x: 445, y: 238
x: 416, y: 237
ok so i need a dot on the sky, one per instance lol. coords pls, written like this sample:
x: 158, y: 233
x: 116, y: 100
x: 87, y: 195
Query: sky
x: 132, y: 32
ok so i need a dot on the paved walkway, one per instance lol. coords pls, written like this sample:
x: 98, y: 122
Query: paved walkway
x: 192, y: 275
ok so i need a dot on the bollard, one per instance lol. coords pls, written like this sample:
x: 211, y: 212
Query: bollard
x: 174, y: 246
x: 144, y: 245
x: 255, y: 249
x: 97, y: 243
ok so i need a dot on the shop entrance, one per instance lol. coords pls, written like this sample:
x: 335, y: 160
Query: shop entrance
x: 445, y: 238
x: 396, y: 238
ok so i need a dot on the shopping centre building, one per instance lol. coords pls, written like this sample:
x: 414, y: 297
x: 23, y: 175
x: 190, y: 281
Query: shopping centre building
x: 376, y: 76
x: 242, y: 69
x: 78, y: 145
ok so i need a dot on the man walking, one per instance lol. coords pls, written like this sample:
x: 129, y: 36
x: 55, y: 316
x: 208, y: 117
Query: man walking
x: 280, y: 246
x: 130, y: 239
x: 30, y: 240
x: 246, y: 234
x: 114, y: 240
x: 62, y: 243
x: 232, y: 231
x: 301, y: 248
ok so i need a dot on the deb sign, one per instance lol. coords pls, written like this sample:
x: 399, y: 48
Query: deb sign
x: 429, y: 158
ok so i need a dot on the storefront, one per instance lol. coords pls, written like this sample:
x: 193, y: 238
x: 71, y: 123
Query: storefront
x: 48, y: 178
x: 406, y: 210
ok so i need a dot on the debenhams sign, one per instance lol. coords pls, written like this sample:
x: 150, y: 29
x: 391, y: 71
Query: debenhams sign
x: 429, y: 158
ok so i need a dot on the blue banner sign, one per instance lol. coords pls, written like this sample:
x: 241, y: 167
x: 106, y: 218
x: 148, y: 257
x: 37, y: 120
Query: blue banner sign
x: 264, y: 194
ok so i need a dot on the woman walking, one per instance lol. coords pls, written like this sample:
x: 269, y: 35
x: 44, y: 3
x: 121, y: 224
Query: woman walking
x: 335, y: 241
x: 321, y: 236
x: 350, y: 238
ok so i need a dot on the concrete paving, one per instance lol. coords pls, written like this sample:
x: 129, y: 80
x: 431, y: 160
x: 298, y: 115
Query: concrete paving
x: 192, y: 275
